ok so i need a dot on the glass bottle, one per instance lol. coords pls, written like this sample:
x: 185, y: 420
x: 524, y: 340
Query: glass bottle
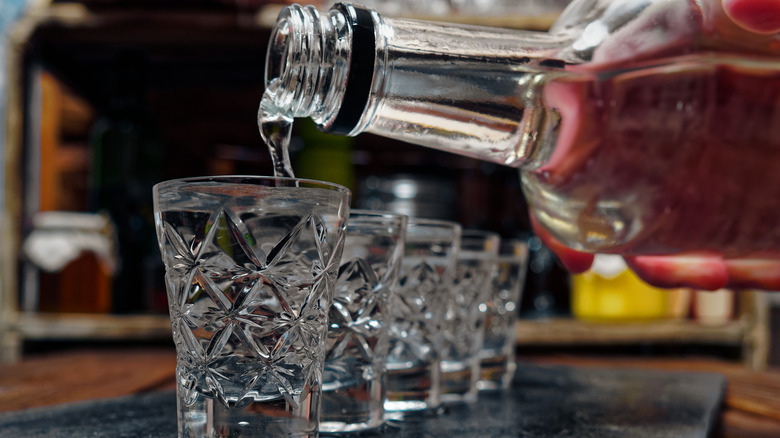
x: 639, y: 126
x: 127, y: 160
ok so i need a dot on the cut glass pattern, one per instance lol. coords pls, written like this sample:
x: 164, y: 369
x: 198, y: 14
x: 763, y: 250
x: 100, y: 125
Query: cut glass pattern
x: 416, y: 308
x: 464, y: 322
x: 357, y: 324
x: 247, y: 315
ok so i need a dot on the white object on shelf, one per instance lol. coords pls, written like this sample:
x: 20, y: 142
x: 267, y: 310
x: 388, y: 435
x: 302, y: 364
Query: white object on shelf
x: 713, y: 307
x: 58, y: 238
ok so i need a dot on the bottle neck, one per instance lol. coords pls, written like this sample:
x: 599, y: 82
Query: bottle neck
x: 473, y: 91
x: 469, y: 90
x: 321, y: 65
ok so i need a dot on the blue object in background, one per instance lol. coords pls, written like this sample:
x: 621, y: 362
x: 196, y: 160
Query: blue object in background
x: 10, y: 11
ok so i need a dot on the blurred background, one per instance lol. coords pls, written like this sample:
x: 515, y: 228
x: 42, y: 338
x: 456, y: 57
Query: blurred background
x: 101, y: 99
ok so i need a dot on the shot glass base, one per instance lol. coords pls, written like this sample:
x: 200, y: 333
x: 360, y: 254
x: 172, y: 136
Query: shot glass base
x: 413, y: 389
x: 404, y: 406
x: 496, y: 373
x: 352, y: 407
x: 333, y: 428
x: 453, y: 399
x: 459, y: 381
x: 490, y: 385
x: 208, y: 417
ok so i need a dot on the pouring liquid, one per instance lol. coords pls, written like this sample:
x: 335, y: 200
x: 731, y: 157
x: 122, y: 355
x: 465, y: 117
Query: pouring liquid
x: 275, y: 128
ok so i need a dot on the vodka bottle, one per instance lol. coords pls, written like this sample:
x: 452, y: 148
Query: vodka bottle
x: 640, y: 127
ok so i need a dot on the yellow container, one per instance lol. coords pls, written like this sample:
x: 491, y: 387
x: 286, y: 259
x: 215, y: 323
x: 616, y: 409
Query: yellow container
x: 609, y: 291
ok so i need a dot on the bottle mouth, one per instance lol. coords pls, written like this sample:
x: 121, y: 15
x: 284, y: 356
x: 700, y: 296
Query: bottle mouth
x: 316, y: 61
x: 276, y: 54
x: 289, y: 57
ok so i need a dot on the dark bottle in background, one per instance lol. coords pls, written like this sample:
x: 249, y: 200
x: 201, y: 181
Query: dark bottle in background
x: 127, y: 159
x: 547, y: 288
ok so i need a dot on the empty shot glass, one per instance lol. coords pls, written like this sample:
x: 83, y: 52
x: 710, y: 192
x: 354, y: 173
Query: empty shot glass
x: 354, y: 389
x: 501, y: 311
x: 251, y: 263
x: 427, y: 270
x: 464, y: 322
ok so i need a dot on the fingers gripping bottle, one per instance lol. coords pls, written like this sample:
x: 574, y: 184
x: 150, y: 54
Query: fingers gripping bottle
x: 640, y: 127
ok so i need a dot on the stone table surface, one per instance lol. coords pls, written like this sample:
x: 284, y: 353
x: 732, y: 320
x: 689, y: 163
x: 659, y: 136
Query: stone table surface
x: 544, y: 401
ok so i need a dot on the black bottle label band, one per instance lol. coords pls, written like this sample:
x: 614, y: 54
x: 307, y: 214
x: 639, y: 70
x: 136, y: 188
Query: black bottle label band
x: 361, y: 69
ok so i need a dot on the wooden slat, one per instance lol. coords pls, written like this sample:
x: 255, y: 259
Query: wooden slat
x: 92, y: 326
x: 737, y: 424
x: 565, y: 331
x: 77, y: 376
x: 50, y: 116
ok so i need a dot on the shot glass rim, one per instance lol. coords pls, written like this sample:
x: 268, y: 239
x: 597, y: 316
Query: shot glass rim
x: 390, y: 220
x: 420, y: 229
x: 470, y: 238
x: 248, y: 179
x: 377, y: 213
x: 436, y: 222
x: 474, y: 233
x: 513, y: 243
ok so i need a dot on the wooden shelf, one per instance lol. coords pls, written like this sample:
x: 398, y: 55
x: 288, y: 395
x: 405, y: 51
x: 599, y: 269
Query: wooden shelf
x: 750, y: 331
x: 51, y: 326
x: 563, y: 331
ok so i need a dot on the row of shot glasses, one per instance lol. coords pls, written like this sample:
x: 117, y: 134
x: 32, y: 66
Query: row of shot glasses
x: 293, y: 317
x: 423, y: 317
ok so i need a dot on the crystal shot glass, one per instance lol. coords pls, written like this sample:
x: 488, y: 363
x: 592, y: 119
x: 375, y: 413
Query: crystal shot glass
x: 251, y: 263
x: 427, y: 271
x: 354, y: 383
x: 501, y: 313
x: 464, y: 322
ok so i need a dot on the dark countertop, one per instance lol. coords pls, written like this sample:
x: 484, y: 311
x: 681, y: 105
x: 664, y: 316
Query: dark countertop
x: 551, y: 397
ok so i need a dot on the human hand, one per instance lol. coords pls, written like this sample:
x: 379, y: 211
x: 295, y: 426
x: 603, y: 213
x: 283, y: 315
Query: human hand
x: 699, y: 271
x: 758, y: 16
